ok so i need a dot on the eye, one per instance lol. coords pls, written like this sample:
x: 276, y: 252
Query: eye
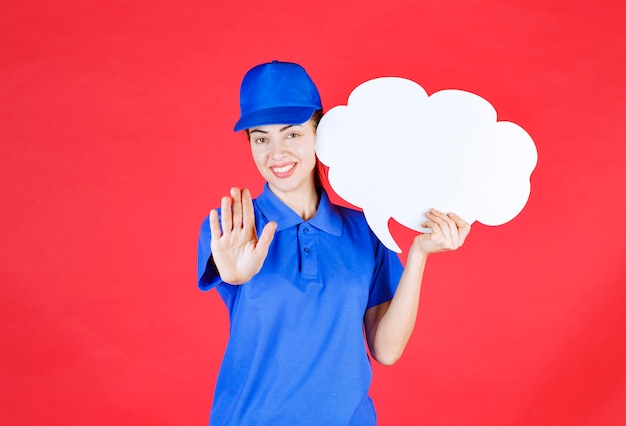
x: 260, y: 140
x: 293, y: 135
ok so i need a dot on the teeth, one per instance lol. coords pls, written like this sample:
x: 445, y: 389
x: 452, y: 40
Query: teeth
x: 283, y: 169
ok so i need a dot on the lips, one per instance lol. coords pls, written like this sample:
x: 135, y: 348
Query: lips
x: 283, y: 170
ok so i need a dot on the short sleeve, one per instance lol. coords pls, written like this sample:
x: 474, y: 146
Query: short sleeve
x: 387, y: 272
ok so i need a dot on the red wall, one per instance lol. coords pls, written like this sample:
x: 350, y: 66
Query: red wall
x: 116, y: 140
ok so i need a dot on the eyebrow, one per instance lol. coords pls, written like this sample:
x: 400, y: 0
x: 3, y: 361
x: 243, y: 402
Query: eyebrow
x: 281, y: 130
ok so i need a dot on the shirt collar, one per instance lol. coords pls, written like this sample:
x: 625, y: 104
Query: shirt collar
x: 326, y: 219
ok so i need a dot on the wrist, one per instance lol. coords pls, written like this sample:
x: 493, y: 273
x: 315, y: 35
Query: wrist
x: 416, y: 250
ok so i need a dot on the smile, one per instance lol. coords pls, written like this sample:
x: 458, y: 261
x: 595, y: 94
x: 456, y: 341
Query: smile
x: 283, y: 169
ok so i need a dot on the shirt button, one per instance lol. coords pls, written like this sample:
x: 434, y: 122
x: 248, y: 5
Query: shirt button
x: 306, y: 230
x: 306, y: 250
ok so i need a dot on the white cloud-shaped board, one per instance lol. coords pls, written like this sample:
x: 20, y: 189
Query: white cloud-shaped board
x: 396, y: 152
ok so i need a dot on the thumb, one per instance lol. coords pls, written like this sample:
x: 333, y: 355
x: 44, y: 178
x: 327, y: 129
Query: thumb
x: 425, y: 243
x: 267, y: 235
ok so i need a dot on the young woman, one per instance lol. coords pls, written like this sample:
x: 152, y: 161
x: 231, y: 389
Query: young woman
x: 303, y: 278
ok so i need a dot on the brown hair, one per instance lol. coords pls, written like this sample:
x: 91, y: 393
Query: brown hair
x: 319, y: 168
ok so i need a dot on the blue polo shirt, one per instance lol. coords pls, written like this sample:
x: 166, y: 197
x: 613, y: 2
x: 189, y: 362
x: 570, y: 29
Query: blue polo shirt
x: 296, y: 353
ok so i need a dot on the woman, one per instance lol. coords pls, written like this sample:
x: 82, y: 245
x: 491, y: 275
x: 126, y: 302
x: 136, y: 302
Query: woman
x: 301, y: 293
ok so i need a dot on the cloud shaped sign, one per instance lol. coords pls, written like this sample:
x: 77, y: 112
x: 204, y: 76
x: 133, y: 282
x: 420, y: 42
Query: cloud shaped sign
x: 396, y: 152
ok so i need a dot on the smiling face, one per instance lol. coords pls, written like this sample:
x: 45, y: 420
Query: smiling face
x: 285, y: 157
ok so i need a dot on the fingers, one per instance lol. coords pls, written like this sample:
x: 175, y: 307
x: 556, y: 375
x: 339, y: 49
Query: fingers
x: 237, y: 212
x: 247, y: 208
x: 214, y: 223
x: 227, y: 217
x: 235, y: 195
x: 463, y: 226
x: 448, y: 230
x: 443, y: 224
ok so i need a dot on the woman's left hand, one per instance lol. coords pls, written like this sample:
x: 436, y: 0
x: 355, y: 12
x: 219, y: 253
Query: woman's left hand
x: 448, y: 232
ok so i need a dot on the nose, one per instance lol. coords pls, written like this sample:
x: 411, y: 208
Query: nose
x: 278, y: 149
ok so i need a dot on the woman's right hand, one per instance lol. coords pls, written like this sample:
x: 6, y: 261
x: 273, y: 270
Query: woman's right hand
x: 237, y: 252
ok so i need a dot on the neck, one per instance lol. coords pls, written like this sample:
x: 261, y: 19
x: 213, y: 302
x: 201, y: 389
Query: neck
x: 303, y: 201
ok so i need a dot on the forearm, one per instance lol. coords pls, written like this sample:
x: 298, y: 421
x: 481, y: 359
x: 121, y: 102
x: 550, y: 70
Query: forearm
x: 389, y: 326
x: 390, y: 330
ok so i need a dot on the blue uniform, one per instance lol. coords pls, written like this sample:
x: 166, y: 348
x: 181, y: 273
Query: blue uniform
x: 296, y: 353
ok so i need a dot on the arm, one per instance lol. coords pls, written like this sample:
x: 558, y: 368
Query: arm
x: 389, y: 325
x: 237, y: 253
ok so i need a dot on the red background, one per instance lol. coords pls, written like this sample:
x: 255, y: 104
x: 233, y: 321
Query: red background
x: 116, y: 139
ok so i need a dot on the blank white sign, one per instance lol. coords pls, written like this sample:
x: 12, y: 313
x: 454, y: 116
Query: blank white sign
x: 396, y: 152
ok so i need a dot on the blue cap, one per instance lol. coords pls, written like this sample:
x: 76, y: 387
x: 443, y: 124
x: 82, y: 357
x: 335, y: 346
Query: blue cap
x: 277, y: 93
